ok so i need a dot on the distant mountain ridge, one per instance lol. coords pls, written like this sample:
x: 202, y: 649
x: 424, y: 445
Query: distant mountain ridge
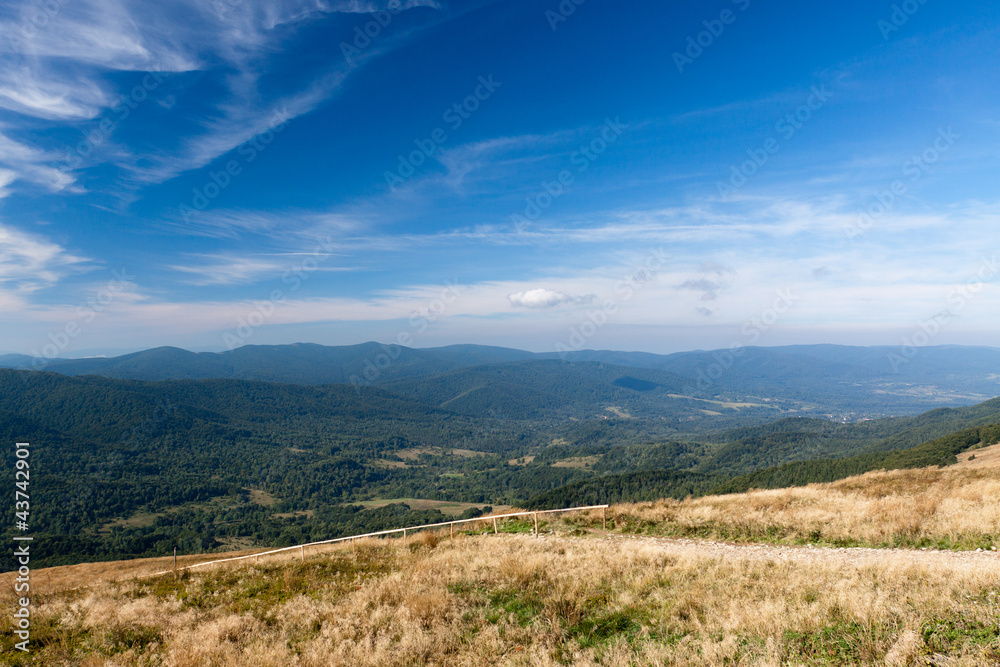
x: 819, y: 379
x: 298, y: 363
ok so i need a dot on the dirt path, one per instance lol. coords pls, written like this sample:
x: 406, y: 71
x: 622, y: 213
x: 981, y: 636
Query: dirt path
x: 853, y: 556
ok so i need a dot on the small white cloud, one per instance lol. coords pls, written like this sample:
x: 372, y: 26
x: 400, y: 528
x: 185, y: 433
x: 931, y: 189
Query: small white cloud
x: 546, y: 298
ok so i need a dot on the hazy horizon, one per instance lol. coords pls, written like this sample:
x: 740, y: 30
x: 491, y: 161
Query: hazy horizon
x: 109, y: 353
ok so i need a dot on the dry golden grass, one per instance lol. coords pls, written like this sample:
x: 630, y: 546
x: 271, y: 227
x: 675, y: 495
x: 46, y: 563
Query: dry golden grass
x: 64, y: 577
x: 519, y: 600
x: 952, y: 507
x: 585, y: 600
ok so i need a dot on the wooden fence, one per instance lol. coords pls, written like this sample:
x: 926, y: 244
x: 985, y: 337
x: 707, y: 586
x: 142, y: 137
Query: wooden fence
x: 381, y: 533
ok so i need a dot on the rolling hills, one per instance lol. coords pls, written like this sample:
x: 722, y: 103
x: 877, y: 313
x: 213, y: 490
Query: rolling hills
x: 841, y: 381
x: 299, y: 363
x: 136, y: 467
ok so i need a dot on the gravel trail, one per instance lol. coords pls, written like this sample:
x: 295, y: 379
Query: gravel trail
x: 853, y: 556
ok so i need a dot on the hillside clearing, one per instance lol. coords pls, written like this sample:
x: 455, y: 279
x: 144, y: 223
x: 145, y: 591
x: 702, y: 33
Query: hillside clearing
x: 414, y: 453
x: 576, y: 462
x: 451, y: 508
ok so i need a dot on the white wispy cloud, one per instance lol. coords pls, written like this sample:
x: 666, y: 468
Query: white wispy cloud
x: 58, y: 57
x: 767, y: 223
x: 290, y: 226
x: 29, y: 262
x: 49, y: 94
x: 222, y: 269
x: 21, y: 161
x: 709, y: 289
x: 6, y: 178
x: 493, y: 157
x: 227, y: 270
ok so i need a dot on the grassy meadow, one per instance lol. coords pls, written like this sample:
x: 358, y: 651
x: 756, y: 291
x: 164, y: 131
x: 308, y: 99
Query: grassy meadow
x: 954, y: 507
x: 577, y: 595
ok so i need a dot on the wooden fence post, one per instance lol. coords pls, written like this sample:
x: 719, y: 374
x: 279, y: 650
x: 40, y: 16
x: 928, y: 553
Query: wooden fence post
x: 452, y: 526
x: 495, y: 531
x: 302, y: 553
x: 536, y: 524
x: 404, y: 533
x: 605, y: 510
x: 175, y: 561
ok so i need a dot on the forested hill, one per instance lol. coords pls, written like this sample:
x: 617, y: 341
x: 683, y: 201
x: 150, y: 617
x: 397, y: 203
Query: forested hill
x: 799, y: 439
x: 126, y: 468
x: 679, y: 484
x: 123, y: 468
x: 539, y: 388
x: 107, y: 409
x: 819, y: 380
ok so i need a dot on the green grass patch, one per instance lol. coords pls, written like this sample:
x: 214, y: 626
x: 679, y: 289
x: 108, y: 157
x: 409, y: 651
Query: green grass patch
x: 524, y: 606
x: 842, y: 643
x: 121, y: 638
x: 515, y: 526
x: 946, y: 636
x: 599, y: 630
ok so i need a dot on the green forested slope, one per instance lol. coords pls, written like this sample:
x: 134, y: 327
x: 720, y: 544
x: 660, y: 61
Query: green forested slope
x: 639, y: 486
x: 125, y: 468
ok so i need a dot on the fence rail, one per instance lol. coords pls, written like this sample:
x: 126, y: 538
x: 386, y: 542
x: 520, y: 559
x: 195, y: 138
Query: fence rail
x: 381, y: 533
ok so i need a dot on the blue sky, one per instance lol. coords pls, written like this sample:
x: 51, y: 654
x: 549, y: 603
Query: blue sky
x: 656, y: 176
